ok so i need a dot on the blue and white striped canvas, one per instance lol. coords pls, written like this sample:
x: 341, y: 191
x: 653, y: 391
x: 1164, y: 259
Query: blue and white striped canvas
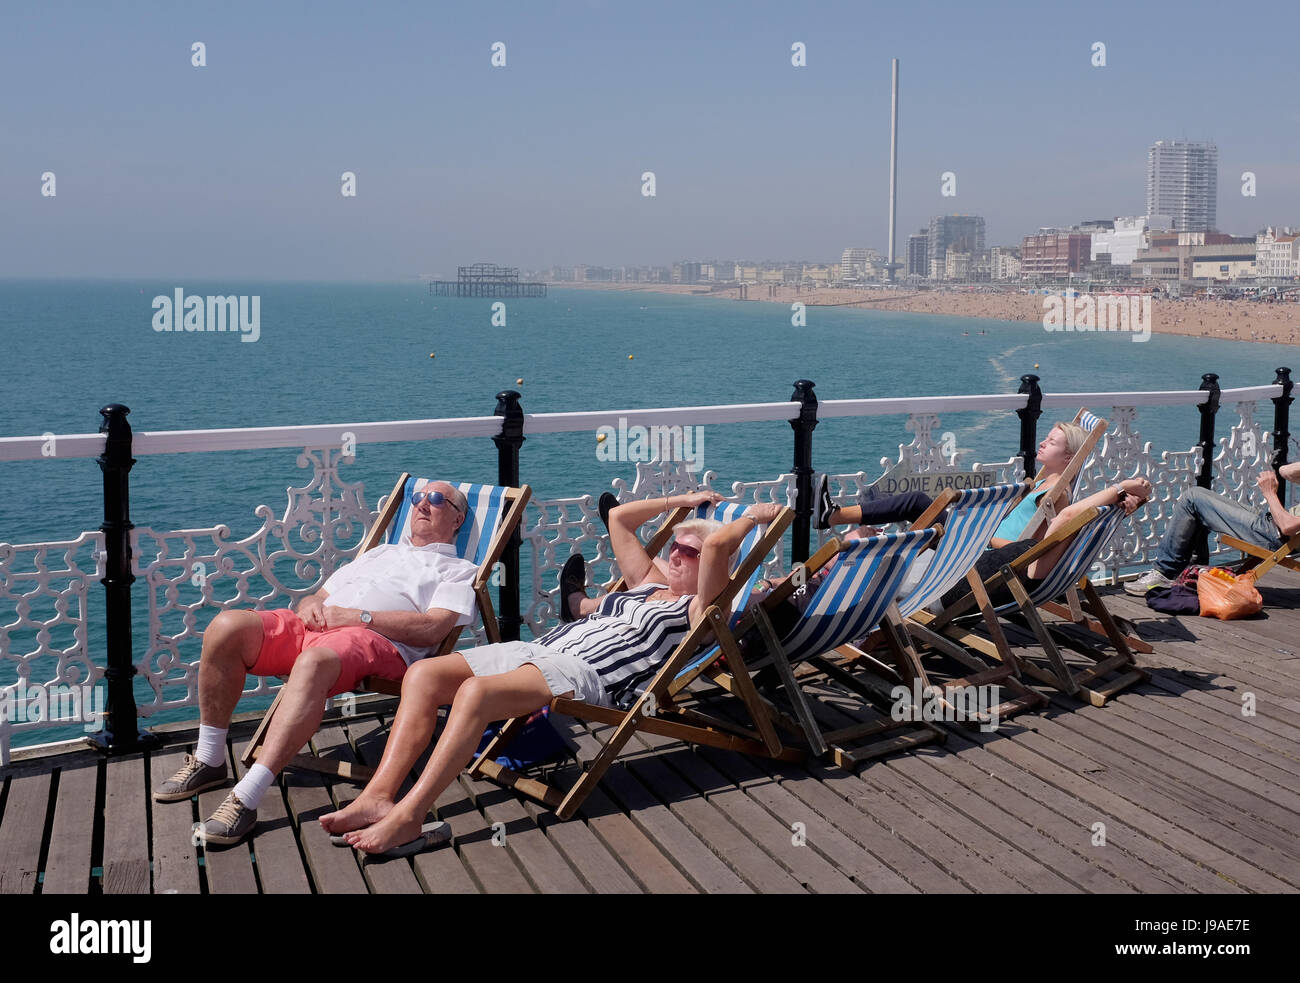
x: 967, y: 528
x: 866, y: 573
x: 1088, y: 420
x: 487, y: 505
x: 1078, y: 558
x: 855, y: 593
x: 730, y: 512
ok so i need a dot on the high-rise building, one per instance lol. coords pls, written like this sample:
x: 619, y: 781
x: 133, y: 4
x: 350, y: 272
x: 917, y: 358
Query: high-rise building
x: 918, y: 253
x: 963, y: 233
x: 852, y: 263
x: 1182, y: 182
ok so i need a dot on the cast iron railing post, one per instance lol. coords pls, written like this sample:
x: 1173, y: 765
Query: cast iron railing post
x: 803, y: 425
x: 1281, y: 425
x: 1208, y: 409
x: 1029, y: 415
x: 508, y: 442
x: 121, y: 733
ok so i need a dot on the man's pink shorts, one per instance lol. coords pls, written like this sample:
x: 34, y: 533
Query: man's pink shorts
x: 361, y: 651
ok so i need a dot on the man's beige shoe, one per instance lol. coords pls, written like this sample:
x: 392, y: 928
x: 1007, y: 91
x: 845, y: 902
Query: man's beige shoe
x: 229, y: 824
x: 193, y: 777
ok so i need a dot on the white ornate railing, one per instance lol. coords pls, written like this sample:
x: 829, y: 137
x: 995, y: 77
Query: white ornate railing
x: 43, y: 589
x: 185, y: 576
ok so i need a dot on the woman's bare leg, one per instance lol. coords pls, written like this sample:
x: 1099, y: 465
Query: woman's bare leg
x: 479, y: 701
x: 428, y: 684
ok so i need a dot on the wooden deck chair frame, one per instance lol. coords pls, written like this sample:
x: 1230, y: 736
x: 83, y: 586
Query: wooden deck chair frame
x: 515, y: 500
x: 653, y: 711
x: 1082, y: 684
x: 1280, y: 557
x: 1053, y: 501
x: 907, y: 667
x: 1067, y: 484
x: 1005, y: 673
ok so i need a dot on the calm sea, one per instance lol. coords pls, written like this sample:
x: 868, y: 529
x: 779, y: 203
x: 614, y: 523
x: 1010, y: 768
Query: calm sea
x: 347, y: 353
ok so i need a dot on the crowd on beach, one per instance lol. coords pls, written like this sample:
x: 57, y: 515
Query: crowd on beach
x: 1227, y: 320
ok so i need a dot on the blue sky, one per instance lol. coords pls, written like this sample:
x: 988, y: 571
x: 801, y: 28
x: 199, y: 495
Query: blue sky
x: 233, y: 169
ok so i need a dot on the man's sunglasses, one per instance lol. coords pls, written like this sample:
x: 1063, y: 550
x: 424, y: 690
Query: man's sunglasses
x: 435, y: 498
x: 690, y: 552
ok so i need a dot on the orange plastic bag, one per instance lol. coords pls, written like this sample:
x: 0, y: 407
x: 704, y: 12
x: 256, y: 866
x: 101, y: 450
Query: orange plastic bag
x: 1224, y: 596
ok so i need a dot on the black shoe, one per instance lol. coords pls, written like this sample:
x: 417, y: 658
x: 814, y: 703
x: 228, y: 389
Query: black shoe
x: 607, y: 501
x: 822, y: 504
x: 573, y: 580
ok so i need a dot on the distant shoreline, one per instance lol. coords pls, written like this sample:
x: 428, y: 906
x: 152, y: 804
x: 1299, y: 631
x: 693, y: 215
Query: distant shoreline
x: 1225, y: 320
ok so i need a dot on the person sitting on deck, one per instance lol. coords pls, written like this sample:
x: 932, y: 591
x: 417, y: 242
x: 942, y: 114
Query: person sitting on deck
x: 602, y: 658
x: 390, y: 607
x: 1199, y: 509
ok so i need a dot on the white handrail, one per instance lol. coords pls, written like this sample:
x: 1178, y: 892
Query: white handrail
x: 316, y: 435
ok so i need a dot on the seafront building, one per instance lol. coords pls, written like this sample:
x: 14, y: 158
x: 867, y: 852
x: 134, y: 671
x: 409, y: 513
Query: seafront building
x: 853, y: 261
x: 1277, y: 254
x: 1126, y: 237
x: 918, y: 253
x: 1004, y: 263
x: 1178, y: 257
x: 1054, y: 254
x: 1182, y: 182
x: 962, y: 233
x: 1230, y: 261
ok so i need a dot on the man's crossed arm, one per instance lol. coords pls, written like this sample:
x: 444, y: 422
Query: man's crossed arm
x: 418, y: 629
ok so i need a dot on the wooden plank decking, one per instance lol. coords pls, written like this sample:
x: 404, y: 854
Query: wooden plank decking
x: 1192, y: 794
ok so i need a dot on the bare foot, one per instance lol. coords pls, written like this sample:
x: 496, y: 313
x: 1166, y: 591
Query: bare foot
x: 362, y: 812
x: 393, y: 830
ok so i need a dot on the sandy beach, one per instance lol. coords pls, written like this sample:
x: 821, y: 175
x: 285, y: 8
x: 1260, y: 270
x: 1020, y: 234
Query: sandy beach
x: 1230, y: 320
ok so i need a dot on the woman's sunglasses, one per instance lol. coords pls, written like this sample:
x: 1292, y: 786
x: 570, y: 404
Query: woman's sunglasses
x: 435, y: 498
x: 690, y: 552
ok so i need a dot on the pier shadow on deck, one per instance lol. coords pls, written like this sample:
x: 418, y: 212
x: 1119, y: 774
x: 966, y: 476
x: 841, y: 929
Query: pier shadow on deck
x: 1170, y: 788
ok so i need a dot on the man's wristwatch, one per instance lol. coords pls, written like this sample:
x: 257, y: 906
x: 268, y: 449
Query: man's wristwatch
x: 366, y: 617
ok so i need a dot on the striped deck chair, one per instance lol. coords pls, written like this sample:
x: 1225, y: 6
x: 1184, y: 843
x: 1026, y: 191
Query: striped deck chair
x: 855, y: 596
x: 493, y: 518
x: 1053, y: 502
x: 1086, y: 534
x: 1072, y: 477
x: 970, y: 518
x: 653, y: 711
x: 722, y: 512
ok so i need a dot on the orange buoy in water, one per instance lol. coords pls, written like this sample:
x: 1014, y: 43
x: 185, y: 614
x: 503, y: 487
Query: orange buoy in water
x: 519, y: 382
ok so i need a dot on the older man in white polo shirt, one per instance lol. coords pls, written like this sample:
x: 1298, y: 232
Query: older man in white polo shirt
x: 387, y: 609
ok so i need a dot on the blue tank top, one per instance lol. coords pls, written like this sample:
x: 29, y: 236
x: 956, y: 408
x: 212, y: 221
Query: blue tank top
x: 1012, y: 528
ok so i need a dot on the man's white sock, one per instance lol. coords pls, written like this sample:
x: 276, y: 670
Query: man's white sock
x: 212, y: 745
x: 250, y: 789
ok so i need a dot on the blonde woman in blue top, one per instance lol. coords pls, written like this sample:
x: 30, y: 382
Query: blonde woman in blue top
x: 1011, y: 538
x: 1054, y: 454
